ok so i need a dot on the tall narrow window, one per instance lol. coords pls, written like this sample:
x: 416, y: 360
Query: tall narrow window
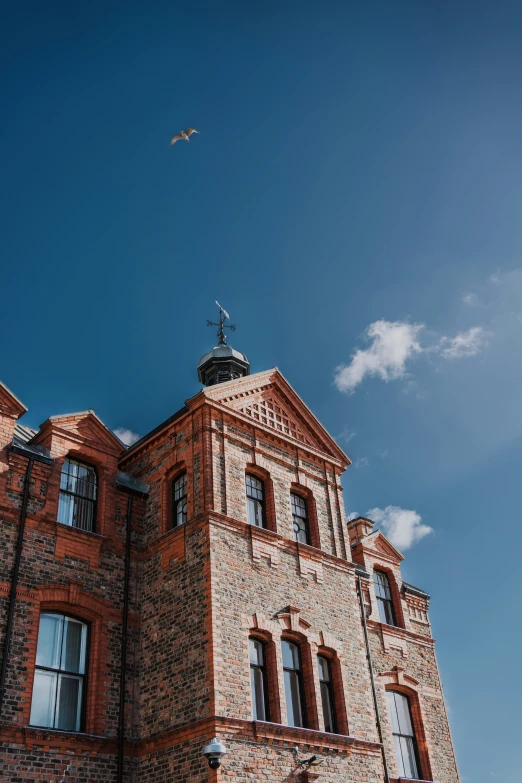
x: 179, y: 501
x: 403, y: 735
x: 258, y: 680
x: 78, y: 490
x: 300, y: 519
x: 255, y: 501
x: 294, y: 690
x: 327, y: 694
x: 58, y: 689
x: 384, y: 598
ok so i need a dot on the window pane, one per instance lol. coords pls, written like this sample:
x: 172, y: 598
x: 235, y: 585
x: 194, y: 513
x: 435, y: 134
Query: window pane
x: 254, y: 488
x: 65, y: 509
x: 393, y: 711
x: 383, y: 615
x: 256, y: 652
x: 382, y: 585
x: 324, y: 669
x: 403, y: 737
x: 403, y: 714
x: 83, y: 514
x: 290, y: 655
x: 398, y: 755
x: 49, y: 641
x: 388, y: 612
x: 68, y: 707
x: 73, y: 648
x: 406, y: 761
x: 181, y: 512
x: 328, y: 714
x: 298, y: 505
x: 258, y: 693
x: 44, y: 695
x: 255, y: 512
x: 293, y: 699
x: 180, y: 487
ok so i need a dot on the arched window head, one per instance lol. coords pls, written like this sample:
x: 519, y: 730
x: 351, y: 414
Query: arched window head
x: 384, y: 598
x: 258, y: 680
x: 255, y: 493
x: 78, y: 492
x: 294, y: 686
x: 58, y: 690
x: 179, y: 501
x: 403, y: 735
x: 300, y: 518
x: 327, y: 694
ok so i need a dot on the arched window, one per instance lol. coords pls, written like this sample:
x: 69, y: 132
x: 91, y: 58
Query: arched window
x: 384, y: 598
x: 403, y: 735
x: 78, y: 491
x: 58, y: 690
x: 179, y: 501
x: 255, y: 493
x: 258, y: 680
x: 327, y: 694
x: 300, y: 518
x: 294, y: 687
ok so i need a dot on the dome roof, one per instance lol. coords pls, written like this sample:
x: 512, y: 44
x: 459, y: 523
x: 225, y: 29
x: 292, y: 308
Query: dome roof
x: 222, y: 352
x: 222, y: 363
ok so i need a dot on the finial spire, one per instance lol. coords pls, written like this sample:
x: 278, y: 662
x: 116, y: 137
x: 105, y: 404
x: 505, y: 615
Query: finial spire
x: 223, y: 316
x: 222, y: 363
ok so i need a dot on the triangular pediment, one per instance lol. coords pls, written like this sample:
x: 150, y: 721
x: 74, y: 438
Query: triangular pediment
x: 268, y: 401
x: 85, y: 427
x: 378, y: 542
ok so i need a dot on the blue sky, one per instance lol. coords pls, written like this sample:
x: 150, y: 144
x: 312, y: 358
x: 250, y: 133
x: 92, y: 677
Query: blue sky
x: 358, y: 164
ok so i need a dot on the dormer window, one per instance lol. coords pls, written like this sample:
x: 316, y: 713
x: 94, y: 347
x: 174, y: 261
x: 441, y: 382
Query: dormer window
x: 384, y: 598
x: 78, y: 491
x: 300, y: 519
x: 179, y: 501
x: 255, y: 501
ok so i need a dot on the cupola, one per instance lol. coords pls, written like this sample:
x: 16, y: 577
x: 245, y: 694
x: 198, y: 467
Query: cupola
x: 222, y: 363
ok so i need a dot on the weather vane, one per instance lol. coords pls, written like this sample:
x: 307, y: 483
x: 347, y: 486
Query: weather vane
x: 223, y: 316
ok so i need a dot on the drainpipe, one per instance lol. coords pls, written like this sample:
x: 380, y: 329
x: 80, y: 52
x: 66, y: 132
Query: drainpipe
x: 125, y: 622
x: 360, y: 572
x: 33, y: 454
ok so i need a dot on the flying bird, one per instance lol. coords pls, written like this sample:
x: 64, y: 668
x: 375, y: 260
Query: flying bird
x: 183, y: 134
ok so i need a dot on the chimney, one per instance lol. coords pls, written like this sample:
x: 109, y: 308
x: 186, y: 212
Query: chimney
x: 359, y: 528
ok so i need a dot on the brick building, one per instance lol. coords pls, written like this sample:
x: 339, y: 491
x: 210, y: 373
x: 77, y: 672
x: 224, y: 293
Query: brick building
x: 204, y: 582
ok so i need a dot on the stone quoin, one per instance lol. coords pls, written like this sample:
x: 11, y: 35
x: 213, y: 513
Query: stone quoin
x: 205, y: 583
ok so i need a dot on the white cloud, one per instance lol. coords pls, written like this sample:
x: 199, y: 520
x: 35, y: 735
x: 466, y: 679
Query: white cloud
x: 393, y: 343
x: 352, y: 515
x: 347, y: 435
x: 471, y: 299
x: 128, y: 437
x: 382, y: 453
x: 402, y: 526
x: 362, y: 462
x: 463, y: 344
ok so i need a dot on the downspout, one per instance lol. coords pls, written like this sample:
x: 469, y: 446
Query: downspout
x: 14, y: 580
x: 372, y: 677
x: 125, y: 622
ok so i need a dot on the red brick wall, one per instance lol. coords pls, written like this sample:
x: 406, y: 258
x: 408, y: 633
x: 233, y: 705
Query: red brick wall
x: 196, y: 593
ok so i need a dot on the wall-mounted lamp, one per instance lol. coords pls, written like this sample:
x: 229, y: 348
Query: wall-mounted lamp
x: 313, y: 761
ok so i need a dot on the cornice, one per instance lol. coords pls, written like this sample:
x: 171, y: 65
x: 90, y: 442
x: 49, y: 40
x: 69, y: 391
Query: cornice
x: 271, y: 733
x: 31, y: 737
x: 400, y: 633
x: 280, y: 542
